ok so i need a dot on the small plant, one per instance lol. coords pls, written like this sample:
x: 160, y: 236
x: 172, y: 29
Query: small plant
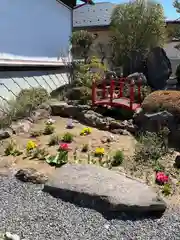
x: 9, y: 149
x: 161, y: 178
x: 85, y: 148
x: 31, y: 145
x: 64, y: 147
x: 117, y: 158
x: 54, y: 140
x: 149, y: 148
x: 68, y: 137
x: 86, y: 131
x: 61, y: 157
x: 39, y: 153
x: 49, y: 129
x: 167, y: 189
x: 36, y: 133
x: 158, y: 167
x: 12, y: 150
x: 99, y: 152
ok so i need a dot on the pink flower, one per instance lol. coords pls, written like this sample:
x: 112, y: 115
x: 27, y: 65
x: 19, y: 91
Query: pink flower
x: 64, y: 147
x: 161, y: 178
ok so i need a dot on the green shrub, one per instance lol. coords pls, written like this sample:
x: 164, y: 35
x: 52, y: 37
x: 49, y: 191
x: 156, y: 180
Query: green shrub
x: 36, y: 133
x: 82, y: 94
x: 54, y: 140
x: 26, y: 102
x: 39, y: 153
x: 117, y: 158
x: 149, y: 148
x: 49, y: 129
x: 84, y: 76
x: 68, y: 137
x: 167, y: 189
x: 12, y: 150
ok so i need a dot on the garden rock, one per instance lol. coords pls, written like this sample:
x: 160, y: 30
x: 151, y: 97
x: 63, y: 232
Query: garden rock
x: 136, y: 77
x: 22, y: 126
x: 121, y: 132
x: 153, y: 122
x: 40, y: 114
x: 159, y: 68
x: 62, y: 109
x: 177, y: 162
x: 104, y: 190
x: 9, y: 236
x: 85, y: 114
x: 31, y: 175
x: 5, y: 133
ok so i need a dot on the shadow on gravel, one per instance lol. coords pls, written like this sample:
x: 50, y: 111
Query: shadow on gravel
x: 102, y: 205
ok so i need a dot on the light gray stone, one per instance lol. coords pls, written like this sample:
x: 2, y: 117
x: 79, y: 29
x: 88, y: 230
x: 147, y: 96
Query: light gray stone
x: 9, y: 236
x: 103, y: 189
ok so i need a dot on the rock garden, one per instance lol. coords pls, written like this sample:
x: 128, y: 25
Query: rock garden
x: 70, y: 170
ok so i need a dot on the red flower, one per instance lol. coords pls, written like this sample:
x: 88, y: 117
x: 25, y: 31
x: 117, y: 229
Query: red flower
x: 161, y: 178
x: 64, y: 147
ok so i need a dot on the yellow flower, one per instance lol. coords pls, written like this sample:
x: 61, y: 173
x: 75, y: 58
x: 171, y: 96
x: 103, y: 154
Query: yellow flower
x: 99, y: 151
x: 86, y: 131
x: 31, y: 145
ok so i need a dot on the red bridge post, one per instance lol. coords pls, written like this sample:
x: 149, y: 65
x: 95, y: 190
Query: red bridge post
x: 131, y: 90
x: 93, y: 92
x: 111, y: 91
x: 139, y: 89
x: 104, y: 89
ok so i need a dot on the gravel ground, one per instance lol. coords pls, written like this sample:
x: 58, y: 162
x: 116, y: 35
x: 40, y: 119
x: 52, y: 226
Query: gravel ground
x: 34, y: 215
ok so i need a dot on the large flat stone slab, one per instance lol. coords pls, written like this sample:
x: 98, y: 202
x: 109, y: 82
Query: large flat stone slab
x: 103, y: 189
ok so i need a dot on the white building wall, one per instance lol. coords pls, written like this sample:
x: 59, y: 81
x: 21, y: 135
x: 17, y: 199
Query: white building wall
x: 34, y: 30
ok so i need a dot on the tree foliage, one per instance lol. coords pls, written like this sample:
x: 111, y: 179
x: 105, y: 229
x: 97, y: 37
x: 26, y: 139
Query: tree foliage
x: 137, y: 26
x: 81, y: 43
x: 176, y: 4
x: 173, y: 31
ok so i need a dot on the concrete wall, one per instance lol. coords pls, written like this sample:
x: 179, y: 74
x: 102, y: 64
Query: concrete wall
x: 34, y: 29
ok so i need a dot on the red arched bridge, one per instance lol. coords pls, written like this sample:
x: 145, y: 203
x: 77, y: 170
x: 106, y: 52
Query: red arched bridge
x: 113, y: 94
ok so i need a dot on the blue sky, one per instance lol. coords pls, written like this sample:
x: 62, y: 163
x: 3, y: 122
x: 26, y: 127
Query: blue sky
x: 170, y: 12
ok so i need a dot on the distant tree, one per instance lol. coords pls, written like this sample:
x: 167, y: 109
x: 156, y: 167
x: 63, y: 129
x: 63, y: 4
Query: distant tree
x: 81, y: 43
x: 173, y: 31
x: 176, y: 4
x: 137, y: 26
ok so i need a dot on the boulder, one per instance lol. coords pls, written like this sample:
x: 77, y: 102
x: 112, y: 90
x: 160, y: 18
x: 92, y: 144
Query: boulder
x: 85, y: 114
x: 136, y: 77
x: 66, y: 110
x: 31, y: 175
x: 133, y: 63
x: 104, y: 190
x: 22, y: 126
x: 158, y: 68
x: 153, y: 122
x: 10, y: 236
x: 95, y: 119
x: 5, y: 133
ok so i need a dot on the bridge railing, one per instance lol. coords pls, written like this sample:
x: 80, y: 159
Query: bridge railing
x: 118, y: 88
